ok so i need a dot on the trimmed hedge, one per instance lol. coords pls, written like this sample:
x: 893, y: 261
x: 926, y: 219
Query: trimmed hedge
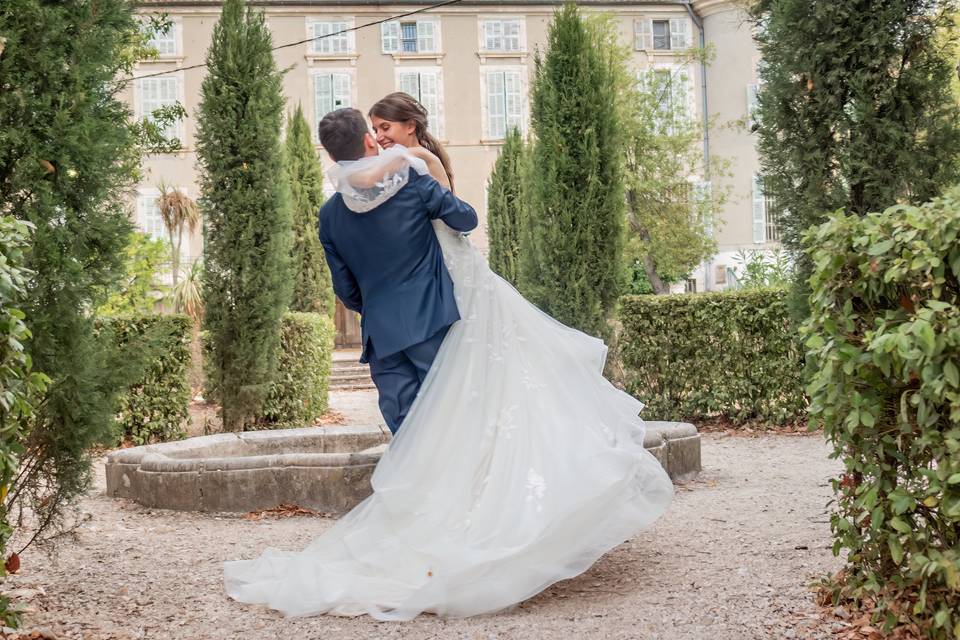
x: 730, y: 354
x: 155, y: 408
x: 884, y: 342
x: 298, y: 394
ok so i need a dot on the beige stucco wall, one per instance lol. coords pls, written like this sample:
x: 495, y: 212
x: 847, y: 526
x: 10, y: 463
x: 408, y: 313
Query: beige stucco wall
x: 373, y: 75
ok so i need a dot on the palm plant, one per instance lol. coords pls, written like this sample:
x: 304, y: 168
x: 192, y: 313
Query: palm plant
x: 179, y: 213
x: 187, y: 293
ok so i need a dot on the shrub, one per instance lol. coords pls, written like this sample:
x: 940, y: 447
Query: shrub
x: 884, y: 344
x: 731, y: 354
x: 154, y: 408
x: 298, y: 394
x: 20, y: 388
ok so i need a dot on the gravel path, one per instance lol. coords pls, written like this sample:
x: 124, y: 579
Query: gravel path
x: 730, y: 560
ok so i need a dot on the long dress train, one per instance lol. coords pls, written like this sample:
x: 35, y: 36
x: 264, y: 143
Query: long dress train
x: 517, y: 466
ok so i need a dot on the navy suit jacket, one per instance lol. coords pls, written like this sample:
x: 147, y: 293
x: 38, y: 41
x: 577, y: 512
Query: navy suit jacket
x: 387, y: 264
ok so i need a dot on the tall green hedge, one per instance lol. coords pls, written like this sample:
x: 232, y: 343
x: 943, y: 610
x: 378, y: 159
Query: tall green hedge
x: 155, y: 407
x: 884, y: 342
x: 298, y: 394
x: 730, y: 354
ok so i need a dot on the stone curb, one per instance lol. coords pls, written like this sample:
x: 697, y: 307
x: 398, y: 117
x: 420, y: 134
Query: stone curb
x: 327, y: 469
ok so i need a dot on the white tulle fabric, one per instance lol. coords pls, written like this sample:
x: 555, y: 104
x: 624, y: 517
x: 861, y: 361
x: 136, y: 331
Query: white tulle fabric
x: 368, y: 182
x: 518, y: 465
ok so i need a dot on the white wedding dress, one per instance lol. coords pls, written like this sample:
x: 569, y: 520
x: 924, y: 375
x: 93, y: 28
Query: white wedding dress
x: 517, y: 466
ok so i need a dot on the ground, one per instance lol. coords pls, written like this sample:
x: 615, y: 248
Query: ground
x: 732, y: 559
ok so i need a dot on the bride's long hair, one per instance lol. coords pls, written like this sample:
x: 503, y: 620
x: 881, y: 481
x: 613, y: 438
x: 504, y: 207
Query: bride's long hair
x: 402, y: 107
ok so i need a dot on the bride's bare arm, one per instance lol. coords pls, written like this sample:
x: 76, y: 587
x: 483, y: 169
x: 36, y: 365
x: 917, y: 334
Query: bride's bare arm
x: 433, y: 165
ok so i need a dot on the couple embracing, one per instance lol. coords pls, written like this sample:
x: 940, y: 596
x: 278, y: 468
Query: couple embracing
x: 514, y: 462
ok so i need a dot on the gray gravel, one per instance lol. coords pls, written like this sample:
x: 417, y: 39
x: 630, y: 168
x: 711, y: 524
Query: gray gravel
x: 731, y: 560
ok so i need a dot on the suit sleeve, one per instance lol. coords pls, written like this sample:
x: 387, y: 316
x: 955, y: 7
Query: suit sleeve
x: 344, y: 283
x: 443, y: 205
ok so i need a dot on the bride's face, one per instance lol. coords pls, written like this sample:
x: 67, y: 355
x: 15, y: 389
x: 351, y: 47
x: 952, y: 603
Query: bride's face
x: 390, y: 132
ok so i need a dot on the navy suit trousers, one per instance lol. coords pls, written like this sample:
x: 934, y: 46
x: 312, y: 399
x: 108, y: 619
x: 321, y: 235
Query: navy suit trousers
x: 398, y: 376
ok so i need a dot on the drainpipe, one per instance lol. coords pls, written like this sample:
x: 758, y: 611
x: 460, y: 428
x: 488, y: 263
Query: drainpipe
x: 698, y: 21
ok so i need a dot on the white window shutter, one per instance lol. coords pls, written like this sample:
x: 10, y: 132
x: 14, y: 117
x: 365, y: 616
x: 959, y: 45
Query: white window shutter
x: 511, y: 35
x: 680, y: 33
x: 390, y: 36
x: 341, y: 91
x: 759, y: 211
x: 492, y: 35
x: 426, y: 36
x: 643, y: 34
x: 323, y: 95
x: 496, y: 116
x: 430, y: 99
x: 410, y: 83
x: 684, y: 92
x: 513, y: 99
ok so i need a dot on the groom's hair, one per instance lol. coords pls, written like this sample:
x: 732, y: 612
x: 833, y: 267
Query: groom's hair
x: 341, y: 134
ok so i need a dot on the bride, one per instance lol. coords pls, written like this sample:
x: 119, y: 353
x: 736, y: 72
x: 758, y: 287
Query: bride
x: 517, y: 466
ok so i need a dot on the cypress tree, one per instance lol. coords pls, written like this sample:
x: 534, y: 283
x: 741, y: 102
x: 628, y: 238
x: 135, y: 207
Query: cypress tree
x: 855, y: 109
x: 312, y: 287
x: 68, y: 159
x: 245, y: 198
x: 572, y: 239
x: 505, y: 207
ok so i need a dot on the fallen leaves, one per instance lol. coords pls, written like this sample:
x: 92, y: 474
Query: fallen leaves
x: 331, y: 417
x: 12, y: 564
x: 284, y: 510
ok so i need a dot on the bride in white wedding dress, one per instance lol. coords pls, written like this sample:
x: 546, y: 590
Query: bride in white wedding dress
x: 517, y: 466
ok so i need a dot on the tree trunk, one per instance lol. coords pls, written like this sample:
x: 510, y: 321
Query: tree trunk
x: 659, y: 287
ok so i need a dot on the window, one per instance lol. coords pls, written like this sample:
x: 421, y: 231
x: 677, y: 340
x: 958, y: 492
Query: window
x: 690, y: 286
x: 425, y: 86
x: 327, y: 43
x: 501, y: 34
x: 331, y: 91
x: 504, y: 101
x: 155, y: 93
x: 765, y: 215
x: 165, y: 43
x: 673, y: 88
x: 662, y: 35
x: 148, y: 216
x: 419, y: 36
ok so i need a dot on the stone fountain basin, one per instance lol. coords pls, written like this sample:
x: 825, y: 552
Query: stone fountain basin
x: 323, y: 468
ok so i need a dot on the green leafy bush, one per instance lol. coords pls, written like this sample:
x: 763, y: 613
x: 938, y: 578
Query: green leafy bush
x: 20, y: 388
x: 298, y: 394
x: 884, y: 342
x: 154, y: 408
x: 731, y: 354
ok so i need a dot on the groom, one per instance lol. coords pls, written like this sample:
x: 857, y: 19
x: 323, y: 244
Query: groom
x: 387, y: 265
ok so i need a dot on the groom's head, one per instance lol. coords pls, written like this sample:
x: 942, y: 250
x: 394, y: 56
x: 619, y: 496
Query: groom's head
x: 345, y: 135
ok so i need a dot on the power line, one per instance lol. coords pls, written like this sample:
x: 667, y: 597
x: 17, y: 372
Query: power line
x: 299, y: 42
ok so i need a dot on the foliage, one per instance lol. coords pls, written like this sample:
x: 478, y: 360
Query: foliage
x: 671, y: 213
x: 730, y: 354
x: 884, y: 341
x: 188, y: 292
x: 298, y: 396
x: 855, y: 109
x: 760, y: 269
x: 68, y: 159
x: 312, y: 286
x: 20, y: 388
x: 179, y: 214
x: 247, y: 278
x: 140, y: 289
x: 154, y: 407
x: 572, y: 238
x: 505, y: 207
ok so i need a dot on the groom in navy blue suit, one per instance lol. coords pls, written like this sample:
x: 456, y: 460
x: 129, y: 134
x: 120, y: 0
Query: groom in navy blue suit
x: 387, y: 265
